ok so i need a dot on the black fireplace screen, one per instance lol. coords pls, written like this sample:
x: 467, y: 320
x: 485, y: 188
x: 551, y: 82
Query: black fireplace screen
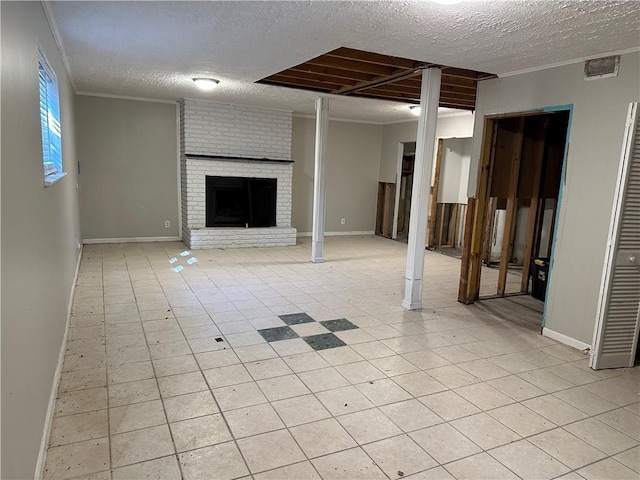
x: 240, y: 202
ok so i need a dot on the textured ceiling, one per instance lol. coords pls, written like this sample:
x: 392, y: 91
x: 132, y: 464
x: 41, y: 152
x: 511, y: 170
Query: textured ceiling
x: 153, y: 49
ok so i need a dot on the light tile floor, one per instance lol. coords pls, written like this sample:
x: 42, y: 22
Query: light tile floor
x: 150, y: 391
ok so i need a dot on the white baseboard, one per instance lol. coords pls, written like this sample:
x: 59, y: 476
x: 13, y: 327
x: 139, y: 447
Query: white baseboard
x: 560, y: 337
x: 89, y: 241
x: 48, y: 421
x: 336, y: 234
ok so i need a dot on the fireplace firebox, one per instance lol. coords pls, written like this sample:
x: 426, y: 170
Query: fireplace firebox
x: 240, y: 202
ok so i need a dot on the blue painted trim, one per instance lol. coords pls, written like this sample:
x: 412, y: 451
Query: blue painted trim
x: 560, y: 108
x: 557, y: 108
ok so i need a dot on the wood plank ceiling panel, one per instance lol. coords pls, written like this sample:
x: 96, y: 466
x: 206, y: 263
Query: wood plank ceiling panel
x: 346, y: 71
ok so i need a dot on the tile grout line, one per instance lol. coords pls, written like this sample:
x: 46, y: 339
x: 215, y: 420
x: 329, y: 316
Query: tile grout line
x: 286, y: 427
x: 391, y: 378
x: 276, y: 412
x: 527, y: 437
x: 208, y: 389
x: 155, y: 377
x: 106, y: 366
x: 562, y: 362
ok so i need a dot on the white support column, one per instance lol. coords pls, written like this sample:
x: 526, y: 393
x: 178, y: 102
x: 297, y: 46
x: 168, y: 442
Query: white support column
x: 421, y: 190
x: 322, y: 126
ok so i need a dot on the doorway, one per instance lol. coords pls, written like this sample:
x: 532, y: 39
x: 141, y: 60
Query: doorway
x: 448, y: 204
x: 403, y: 193
x: 448, y: 194
x: 508, y: 247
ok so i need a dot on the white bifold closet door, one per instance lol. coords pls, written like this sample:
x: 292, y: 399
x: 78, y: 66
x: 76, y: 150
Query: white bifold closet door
x: 618, y: 315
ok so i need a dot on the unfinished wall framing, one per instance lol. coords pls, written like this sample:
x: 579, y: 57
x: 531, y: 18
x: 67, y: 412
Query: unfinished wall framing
x: 516, y: 200
x: 448, y: 193
x: 405, y: 187
x: 384, y: 216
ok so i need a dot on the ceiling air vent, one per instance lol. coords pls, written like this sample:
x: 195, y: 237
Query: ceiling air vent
x: 604, y: 67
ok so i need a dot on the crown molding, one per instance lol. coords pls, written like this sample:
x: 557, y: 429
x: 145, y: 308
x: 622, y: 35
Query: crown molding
x: 566, y: 62
x: 124, y: 97
x: 46, y: 6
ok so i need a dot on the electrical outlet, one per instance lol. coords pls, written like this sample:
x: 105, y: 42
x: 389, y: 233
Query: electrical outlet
x: 167, y: 224
x: 343, y: 221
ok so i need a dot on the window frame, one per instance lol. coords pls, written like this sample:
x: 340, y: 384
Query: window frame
x: 48, y: 145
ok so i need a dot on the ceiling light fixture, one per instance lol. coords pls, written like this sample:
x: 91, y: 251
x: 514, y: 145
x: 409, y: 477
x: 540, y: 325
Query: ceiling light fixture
x: 447, y: 2
x: 206, y: 83
x: 415, y: 109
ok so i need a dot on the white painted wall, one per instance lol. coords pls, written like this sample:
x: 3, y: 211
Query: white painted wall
x: 595, y: 136
x: 497, y: 234
x: 464, y: 170
x: 520, y: 237
x: 454, y: 172
x: 353, y: 165
x: 40, y: 231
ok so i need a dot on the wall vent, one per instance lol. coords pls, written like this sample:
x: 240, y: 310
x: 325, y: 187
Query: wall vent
x: 604, y: 67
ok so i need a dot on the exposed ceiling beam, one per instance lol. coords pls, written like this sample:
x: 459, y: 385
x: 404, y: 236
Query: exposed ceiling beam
x: 377, y: 58
x: 450, y: 80
x: 456, y: 106
x: 378, y: 81
x: 356, y: 66
x: 394, y: 87
x: 346, y: 71
x: 460, y: 88
x: 309, y: 84
x: 409, y: 98
x: 457, y: 101
x: 400, y: 96
x: 462, y: 91
x: 331, y: 82
x: 332, y: 72
x: 393, y: 98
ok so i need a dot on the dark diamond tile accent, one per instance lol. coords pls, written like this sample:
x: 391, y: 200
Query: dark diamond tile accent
x: 277, y: 333
x: 324, y: 341
x: 338, y: 325
x: 296, y: 318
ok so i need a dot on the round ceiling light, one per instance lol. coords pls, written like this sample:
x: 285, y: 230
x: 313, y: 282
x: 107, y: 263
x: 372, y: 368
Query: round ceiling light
x: 206, y: 84
x: 415, y: 109
x: 447, y: 2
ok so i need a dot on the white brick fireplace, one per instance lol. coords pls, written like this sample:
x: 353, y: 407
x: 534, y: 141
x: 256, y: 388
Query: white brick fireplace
x: 220, y: 140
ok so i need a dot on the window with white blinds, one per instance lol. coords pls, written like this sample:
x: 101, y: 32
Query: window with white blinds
x: 50, y: 122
